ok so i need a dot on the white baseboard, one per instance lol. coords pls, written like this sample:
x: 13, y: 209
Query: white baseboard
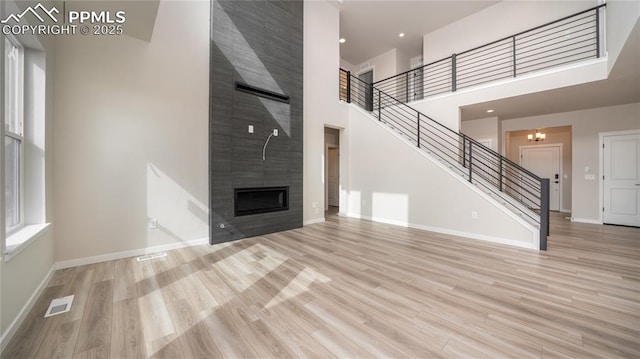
x: 13, y: 327
x: 529, y: 245
x: 564, y: 210
x: 130, y: 253
x: 585, y: 220
x: 313, y: 221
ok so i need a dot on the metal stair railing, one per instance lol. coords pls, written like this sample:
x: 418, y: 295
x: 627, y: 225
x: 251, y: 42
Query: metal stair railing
x: 567, y: 40
x: 477, y: 163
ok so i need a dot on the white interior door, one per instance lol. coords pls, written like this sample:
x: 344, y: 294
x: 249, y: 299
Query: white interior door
x: 545, y: 162
x: 621, y: 184
x: 333, y: 177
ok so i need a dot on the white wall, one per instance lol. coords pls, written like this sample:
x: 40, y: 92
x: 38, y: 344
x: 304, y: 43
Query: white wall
x: 586, y: 125
x: 403, y: 62
x: 344, y: 64
x: 321, y: 104
x: 478, y: 29
x: 131, y: 136
x: 622, y: 15
x: 383, y: 65
x: 390, y: 181
x: 23, y: 274
x: 483, y: 129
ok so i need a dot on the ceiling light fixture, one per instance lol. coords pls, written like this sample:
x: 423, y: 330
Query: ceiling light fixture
x: 490, y: 111
x: 342, y: 40
x: 401, y: 34
x: 538, y: 136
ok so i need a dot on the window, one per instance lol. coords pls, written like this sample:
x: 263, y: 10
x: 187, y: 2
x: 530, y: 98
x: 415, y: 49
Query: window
x: 13, y: 134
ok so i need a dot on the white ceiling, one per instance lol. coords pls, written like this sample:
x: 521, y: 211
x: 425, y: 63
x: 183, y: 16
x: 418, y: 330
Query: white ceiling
x: 371, y: 27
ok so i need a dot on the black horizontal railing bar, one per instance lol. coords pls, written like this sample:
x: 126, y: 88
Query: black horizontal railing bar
x: 588, y: 24
x: 438, y: 70
x: 485, y: 51
x: 561, y: 50
x: 553, y: 43
x: 404, y: 73
x: 479, y: 80
x: 471, y: 54
x: 487, y: 72
x: 556, y: 62
x: 563, y: 47
x: 556, y: 59
x: 438, y: 80
x: 573, y: 31
x: 439, y: 75
x: 466, y: 66
x: 483, y: 55
x: 505, y: 159
x: 435, y: 69
x: 559, y: 25
x: 488, y: 69
x: 542, y: 67
x: 438, y: 85
x: 539, y: 27
x: 448, y: 58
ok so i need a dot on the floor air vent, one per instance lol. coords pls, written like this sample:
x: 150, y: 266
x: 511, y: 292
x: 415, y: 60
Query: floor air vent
x: 59, y: 306
x: 151, y: 256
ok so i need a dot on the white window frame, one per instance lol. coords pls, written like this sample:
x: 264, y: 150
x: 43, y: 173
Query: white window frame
x: 17, y: 132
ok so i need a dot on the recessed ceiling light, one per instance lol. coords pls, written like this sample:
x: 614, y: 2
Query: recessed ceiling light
x: 490, y: 111
x: 342, y: 40
x: 401, y: 34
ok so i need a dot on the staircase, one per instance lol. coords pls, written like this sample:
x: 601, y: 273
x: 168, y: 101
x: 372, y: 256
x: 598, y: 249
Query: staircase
x: 517, y: 189
x: 564, y: 41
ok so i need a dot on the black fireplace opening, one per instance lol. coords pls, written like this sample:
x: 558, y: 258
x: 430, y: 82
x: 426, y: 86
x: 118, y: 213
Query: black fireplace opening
x: 260, y: 200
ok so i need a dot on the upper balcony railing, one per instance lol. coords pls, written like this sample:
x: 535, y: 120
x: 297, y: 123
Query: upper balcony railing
x: 568, y: 40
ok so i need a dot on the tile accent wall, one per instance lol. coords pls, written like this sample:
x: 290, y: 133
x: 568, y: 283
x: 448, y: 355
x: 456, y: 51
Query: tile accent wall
x: 255, y: 43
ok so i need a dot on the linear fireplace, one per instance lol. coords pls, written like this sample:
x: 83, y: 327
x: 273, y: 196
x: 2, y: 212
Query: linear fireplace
x: 260, y: 200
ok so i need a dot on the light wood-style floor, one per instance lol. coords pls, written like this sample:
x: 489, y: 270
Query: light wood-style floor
x: 349, y: 288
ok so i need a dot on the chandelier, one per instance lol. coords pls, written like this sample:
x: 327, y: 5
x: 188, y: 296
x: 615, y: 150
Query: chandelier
x: 538, y: 136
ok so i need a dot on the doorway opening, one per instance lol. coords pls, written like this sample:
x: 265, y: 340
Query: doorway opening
x: 543, y: 157
x: 620, y: 186
x: 545, y: 161
x: 332, y: 170
x: 367, y: 78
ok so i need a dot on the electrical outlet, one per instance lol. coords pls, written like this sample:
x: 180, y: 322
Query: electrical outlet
x: 153, y: 223
x: 474, y: 215
x: 275, y: 132
x: 250, y: 128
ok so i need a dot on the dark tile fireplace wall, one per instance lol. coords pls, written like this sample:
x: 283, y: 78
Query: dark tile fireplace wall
x: 256, y: 79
